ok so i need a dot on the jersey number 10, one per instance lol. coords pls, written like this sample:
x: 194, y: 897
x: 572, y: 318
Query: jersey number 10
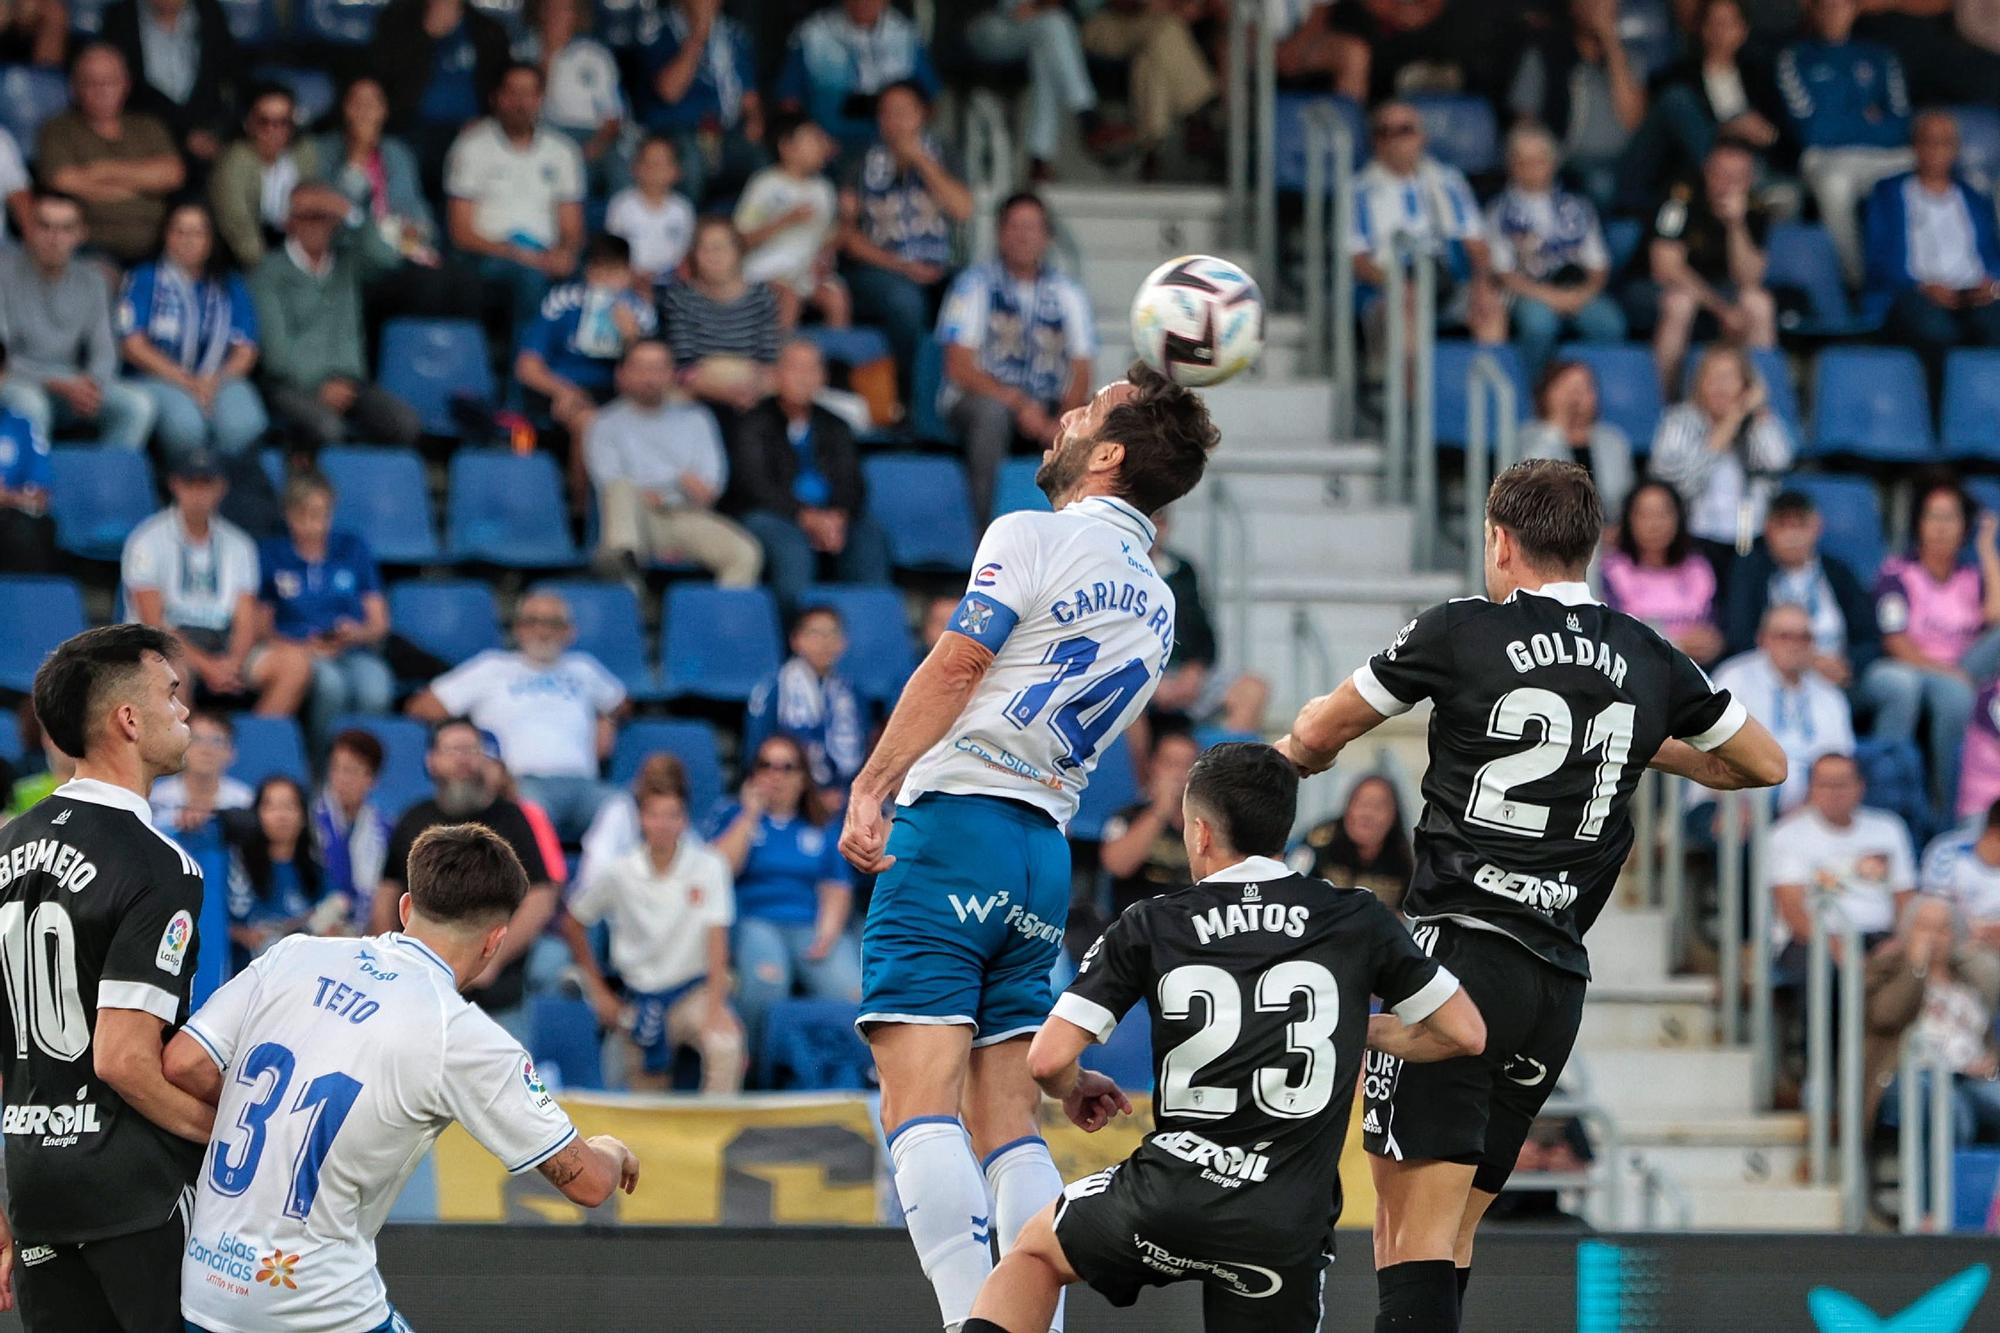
x: 38, y: 965
x: 1084, y: 717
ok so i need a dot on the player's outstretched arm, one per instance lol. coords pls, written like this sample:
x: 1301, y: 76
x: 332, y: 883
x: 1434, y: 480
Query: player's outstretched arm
x: 189, y: 1067
x: 127, y: 1054
x: 931, y: 703
x: 1454, y: 1028
x: 588, y: 1171
x: 1089, y: 1099
x: 1327, y: 725
x: 1750, y: 758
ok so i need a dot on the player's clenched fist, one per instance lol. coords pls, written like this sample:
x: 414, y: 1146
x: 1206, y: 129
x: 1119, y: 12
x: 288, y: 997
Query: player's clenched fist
x: 628, y: 1161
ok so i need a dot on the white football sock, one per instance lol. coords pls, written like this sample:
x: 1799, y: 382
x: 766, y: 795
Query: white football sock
x: 945, y: 1208
x: 1023, y: 1180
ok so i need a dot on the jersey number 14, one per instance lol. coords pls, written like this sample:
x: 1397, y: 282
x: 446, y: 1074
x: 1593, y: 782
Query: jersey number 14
x: 1084, y: 717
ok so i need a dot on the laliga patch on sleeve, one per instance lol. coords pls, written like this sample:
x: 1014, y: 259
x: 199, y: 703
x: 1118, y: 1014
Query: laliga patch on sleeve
x: 174, y: 943
x: 538, y: 1091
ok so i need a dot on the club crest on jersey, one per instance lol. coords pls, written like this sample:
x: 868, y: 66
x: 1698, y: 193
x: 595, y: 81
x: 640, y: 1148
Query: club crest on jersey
x: 538, y: 1091
x: 975, y: 617
x: 174, y: 943
x: 1574, y: 625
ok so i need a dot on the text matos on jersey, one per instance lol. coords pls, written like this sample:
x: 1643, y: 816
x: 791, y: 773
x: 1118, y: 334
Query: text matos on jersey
x: 1548, y: 707
x: 1259, y: 981
x: 342, y: 1061
x: 97, y: 911
x: 1080, y: 625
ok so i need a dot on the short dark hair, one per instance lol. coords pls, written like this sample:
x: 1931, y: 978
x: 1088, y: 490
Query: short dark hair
x: 1835, y: 756
x: 1552, y: 510
x: 1250, y: 791
x: 784, y: 124
x: 1790, y: 504
x: 910, y: 86
x: 442, y: 725
x: 1167, y: 435
x: 1020, y: 197
x: 815, y: 609
x: 465, y: 873
x: 605, y: 248
x: 660, y: 771
x: 220, y: 721
x: 264, y: 88
x: 362, y: 745
x: 1546, y: 381
x: 514, y: 67
x: 1682, y: 543
x: 84, y: 671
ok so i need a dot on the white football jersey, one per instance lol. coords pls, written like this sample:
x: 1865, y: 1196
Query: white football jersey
x: 342, y: 1061
x: 1080, y: 624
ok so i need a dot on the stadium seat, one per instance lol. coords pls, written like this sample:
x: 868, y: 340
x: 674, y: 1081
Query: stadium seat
x: 563, y: 1041
x: 1870, y: 402
x: 811, y: 1046
x: 926, y: 378
x: 1979, y: 145
x: 403, y: 780
x: 1775, y: 369
x: 97, y: 495
x: 693, y: 743
x: 1289, y: 125
x: 40, y: 611
x: 269, y: 747
x: 1628, y: 387
x: 30, y: 95
x: 313, y: 90
x: 921, y: 503
x: 717, y: 643
x: 10, y: 736
x: 855, y: 346
x: 339, y: 22
x: 1016, y: 489
x: 382, y: 497
x: 428, y: 362
x: 86, y: 17
x: 505, y: 508
x: 1802, y: 256
x: 606, y: 616
x: 451, y: 619
x: 1460, y: 128
x: 1970, y: 413
x: 1451, y: 392
x: 1127, y: 1058
x: 1113, y: 786
x: 1851, y: 515
x: 881, y: 653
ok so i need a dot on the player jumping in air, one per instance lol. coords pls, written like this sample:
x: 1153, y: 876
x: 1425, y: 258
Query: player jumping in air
x: 1260, y: 980
x: 334, y: 1064
x: 1547, y: 707
x: 1055, y: 649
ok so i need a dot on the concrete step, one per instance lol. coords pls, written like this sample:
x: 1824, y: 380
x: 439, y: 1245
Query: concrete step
x: 1669, y: 1013
x: 1406, y: 593
x: 1295, y: 413
x: 1629, y: 945
x: 1698, y: 1167
x: 1112, y: 279
x: 1756, y: 1208
x: 1288, y: 540
x: 1752, y: 1129
x: 1662, y: 1081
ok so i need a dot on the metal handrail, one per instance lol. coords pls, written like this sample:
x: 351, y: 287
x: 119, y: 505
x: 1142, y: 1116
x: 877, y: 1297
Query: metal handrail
x: 1306, y: 638
x: 1330, y: 152
x: 1234, y: 575
x: 1763, y: 1023
x: 1825, y: 1069
x: 1655, y: 1182
x: 1673, y: 877
x: 1237, y: 92
x: 1267, y: 151
x: 1935, y: 1161
x: 1485, y: 373
x: 989, y: 165
x: 1729, y: 919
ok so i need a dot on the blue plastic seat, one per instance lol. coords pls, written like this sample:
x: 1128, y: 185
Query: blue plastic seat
x: 811, y: 1046
x: 881, y: 653
x: 97, y: 495
x: 269, y: 747
x: 1801, y: 255
x: 313, y: 90
x: 1461, y: 129
x: 855, y: 346
x: 564, y: 1043
x: 921, y: 503
x: 717, y: 643
x: 1971, y: 409
x: 30, y: 95
x: 1113, y: 786
x: 1775, y: 369
x: 693, y: 743
x: 507, y: 509
x: 1016, y: 489
x: 1851, y: 517
x: 1628, y: 386
x: 39, y: 611
x: 1449, y: 367
x: 1289, y: 125
x: 606, y: 616
x: 382, y: 497
x: 406, y: 743
x: 1127, y: 1057
x: 428, y: 362
x: 926, y: 378
x: 1870, y: 402
x: 339, y: 22
x: 451, y: 619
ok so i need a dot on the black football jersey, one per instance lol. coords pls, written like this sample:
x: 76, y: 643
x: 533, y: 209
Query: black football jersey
x: 97, y: 911
x: 1259, y: 982
x: 1547, y: 709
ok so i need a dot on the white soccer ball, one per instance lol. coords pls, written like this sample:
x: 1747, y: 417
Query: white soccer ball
x: 1198, y: 320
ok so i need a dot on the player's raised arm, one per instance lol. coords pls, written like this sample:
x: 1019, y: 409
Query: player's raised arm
x: 1392, y: 682
x: 1712, y: 737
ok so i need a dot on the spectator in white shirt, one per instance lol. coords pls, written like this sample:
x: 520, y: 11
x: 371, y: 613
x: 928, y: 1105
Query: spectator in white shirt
x: 1963, y: 865
x: 671, y: 905
x: 655, y: 220
x: 1723, y: 450
x: 183, y: 802
x: 553, y: 710
x: 1804, y: 710
x: 583, y: 100
x: 1549, y: 254
x: 189, y: 570
x: 15, y: 186
x: 787, y: 216
x: 1859, y: 858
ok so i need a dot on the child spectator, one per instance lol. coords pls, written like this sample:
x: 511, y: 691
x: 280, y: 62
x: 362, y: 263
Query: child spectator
x: 27, y: 532
x: 786, y: 218
x: 654, y: 220
x: 670, y: 908
x: 615, y: 831
x: 275, y: 877
x: 809, y: 701
x: 1654, y: 573
x: 352, y: 831
x: 183, y: 802
x: 569, y: 356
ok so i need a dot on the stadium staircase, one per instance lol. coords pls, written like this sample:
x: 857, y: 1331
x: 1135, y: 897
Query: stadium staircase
x: 1308, y: 571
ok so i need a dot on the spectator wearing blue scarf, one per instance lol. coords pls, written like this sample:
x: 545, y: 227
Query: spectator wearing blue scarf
x: 191, y: 334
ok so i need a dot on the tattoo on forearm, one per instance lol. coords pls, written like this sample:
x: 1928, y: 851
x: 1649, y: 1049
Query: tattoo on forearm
x: 565, y: 1166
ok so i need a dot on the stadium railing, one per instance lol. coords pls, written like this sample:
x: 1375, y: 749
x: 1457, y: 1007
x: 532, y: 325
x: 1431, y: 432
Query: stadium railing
x: 1925, y: 1157
x: 1409, y: 426
x: 1485, y: 373
x: 1330, y: 152
x: 1253, y: 43
x: 1834, y: 1030
x: 989, y: 166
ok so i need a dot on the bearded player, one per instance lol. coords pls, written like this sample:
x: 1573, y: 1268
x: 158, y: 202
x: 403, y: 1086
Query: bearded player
x: 1057, y: 645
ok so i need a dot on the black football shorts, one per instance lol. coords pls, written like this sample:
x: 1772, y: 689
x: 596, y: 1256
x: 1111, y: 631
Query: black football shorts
x: 1477, y: 1109
x: 130, y: 1282
x: 1120, y: 1247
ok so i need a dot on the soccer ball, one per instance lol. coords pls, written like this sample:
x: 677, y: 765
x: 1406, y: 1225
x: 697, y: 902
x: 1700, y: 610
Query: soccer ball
x: 1198, y: 320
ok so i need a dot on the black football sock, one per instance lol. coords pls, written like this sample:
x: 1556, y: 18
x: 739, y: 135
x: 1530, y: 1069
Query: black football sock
x: 1417, y: 1297
x: 1464, y: 1280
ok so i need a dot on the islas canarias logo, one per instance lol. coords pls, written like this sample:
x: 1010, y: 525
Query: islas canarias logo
x: 275, y: 1269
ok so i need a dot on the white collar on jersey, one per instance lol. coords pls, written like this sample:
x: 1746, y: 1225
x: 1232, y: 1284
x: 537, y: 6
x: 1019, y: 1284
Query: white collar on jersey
x: 103, y: 793
x: 1118, y: 513
x: 1251, y: 870
x: 1569, y: 594
x: 411, y: 941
